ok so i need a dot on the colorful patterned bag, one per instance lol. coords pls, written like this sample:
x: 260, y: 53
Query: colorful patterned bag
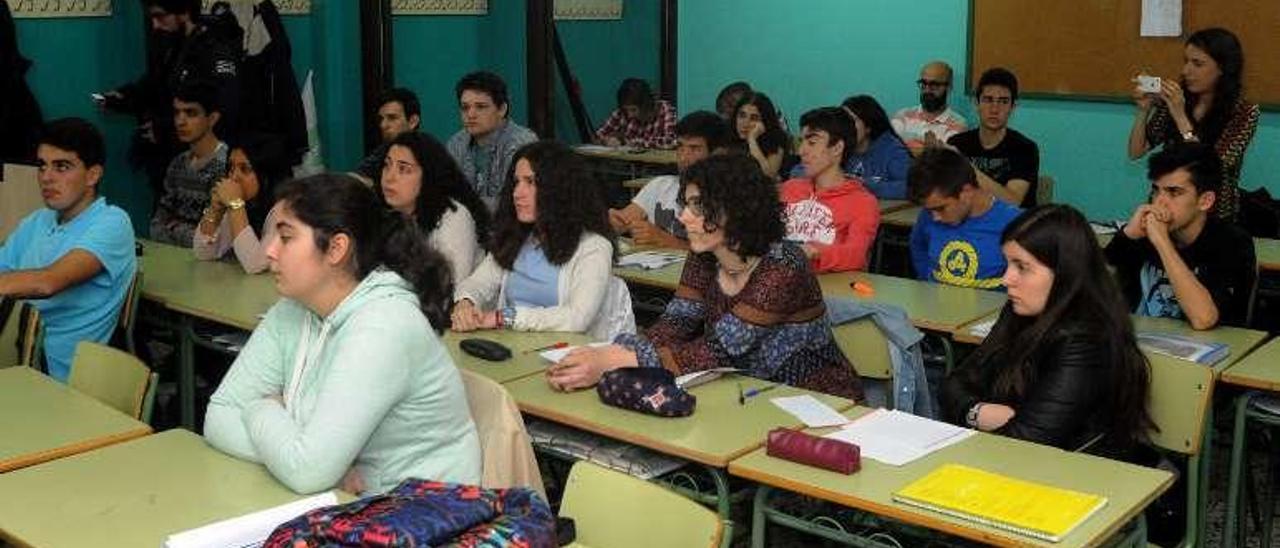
x: 426, y: 513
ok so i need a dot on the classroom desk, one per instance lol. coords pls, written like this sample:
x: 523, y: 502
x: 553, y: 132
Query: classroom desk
x: 890, y: 206
x: 1260, y: 370
x: 133, y: 494
x: 523, y: 363
x: 933, y: 306
x: 667, y: 277
x: 1268, y: 253
x: 718, y: 431
x: 1240, y: 340
x: 634, y: 185
x: 1128, y: 488
x: 212, y: 290
x: 46, y: 420
x: 901, y: 218
x: 626, y: 154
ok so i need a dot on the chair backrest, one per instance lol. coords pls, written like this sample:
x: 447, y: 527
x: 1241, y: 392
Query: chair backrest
x: 865, y: 347
x: 506, y: 451
x: 616, y: 510
x: 30, y: 337
x: 1044, y: 190
x: 1181, y: 393
x: 110, y: 376
x: 129, y: 311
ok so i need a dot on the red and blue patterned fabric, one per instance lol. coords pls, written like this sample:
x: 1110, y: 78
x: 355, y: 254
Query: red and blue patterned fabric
x: 426, y: 513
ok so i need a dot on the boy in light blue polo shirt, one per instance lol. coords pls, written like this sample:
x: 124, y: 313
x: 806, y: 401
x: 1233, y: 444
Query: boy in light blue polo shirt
x: 74, y: 259
x: 956, y: 239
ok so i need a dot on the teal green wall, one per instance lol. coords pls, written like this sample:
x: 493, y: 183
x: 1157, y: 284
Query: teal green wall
x: 432, y: 52
x: 77, y: 56
x: 833, y: 48
x: 430, y: 55
x: 601, y: 55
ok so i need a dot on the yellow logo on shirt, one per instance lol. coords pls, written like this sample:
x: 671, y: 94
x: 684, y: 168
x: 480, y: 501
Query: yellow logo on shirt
x: 958, y: 265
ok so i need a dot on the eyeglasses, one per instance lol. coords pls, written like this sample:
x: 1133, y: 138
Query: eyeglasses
x: 932, y: 84
x: 693, y: 203
x: 989, y: 100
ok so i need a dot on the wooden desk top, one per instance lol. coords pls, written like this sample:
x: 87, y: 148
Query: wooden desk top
x: 133, y: 494
x: 214, y: 290
x: 718, y: 431
x: 46, y: 420
x: 626, y: 154
x: 890, y: 206
x: 1128, y: 488
x: 1241, y: 341
x: 523, y: 362
x: 933, y: 306
x: 901, y: 218
x: 1260, y: 369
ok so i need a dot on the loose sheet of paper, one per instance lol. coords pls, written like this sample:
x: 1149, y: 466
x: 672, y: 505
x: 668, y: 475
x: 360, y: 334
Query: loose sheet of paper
x: 897, y: 438
x: 649, y: 260
x: 810, y: 411
x: 249, y: 529
x: 1161, y: 18
x: 556, y: 354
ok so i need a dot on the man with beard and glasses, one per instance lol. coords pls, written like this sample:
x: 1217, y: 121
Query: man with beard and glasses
x: 932, y: 121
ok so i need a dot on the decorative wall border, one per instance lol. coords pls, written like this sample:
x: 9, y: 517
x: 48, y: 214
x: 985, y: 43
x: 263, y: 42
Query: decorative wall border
x: 580, y: 10
x: 60, y: 8
x: 286, y: 7
x: 440, y: 7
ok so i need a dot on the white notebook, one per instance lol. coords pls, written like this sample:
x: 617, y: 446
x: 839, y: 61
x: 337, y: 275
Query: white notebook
x: 249, y: 530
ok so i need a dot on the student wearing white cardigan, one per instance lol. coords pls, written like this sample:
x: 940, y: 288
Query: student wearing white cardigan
x: 421, y: 181
x: 552, y: 255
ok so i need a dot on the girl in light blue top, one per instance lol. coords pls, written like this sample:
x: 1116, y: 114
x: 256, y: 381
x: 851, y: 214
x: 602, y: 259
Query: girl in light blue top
x: 345, y: 383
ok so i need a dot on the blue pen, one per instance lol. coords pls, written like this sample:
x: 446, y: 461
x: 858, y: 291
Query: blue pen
x: 750, y: 392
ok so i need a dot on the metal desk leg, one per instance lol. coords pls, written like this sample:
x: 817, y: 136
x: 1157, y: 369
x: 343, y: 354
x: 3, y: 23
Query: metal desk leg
x: 186, y: 372
x: 1239, y: 446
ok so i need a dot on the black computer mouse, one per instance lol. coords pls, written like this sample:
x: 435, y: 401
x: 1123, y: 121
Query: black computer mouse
x: 485, y: 349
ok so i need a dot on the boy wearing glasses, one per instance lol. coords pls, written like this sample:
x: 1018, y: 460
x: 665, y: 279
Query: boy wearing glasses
x: 1008, y: 162
x: 932, y: 122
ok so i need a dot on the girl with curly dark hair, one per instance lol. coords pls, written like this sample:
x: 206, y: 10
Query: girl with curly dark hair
x: 421, y: 181
x: 549, y: 267
x: 747, y: 299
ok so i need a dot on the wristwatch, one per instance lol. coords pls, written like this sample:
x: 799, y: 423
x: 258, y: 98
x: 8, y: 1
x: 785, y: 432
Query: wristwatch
x: 235, y: 204
x: 1189, y: 136
x: 971, y: 418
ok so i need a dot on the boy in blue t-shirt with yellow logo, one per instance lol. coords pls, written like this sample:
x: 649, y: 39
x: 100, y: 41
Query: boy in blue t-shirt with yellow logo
x: 956, y: 240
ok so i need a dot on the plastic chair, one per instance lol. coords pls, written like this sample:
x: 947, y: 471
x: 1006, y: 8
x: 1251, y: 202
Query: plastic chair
x: 616, y: 510
x: 129, y: 312
x: 506, y: 451
x: 114, y: 378
x: 867, y: 349
x: 1180, y: 405
x: 30, y: 337
x: 1044, y: 190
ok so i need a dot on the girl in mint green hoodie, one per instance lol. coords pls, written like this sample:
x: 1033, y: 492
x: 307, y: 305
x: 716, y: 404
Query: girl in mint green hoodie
x: 345, y: 383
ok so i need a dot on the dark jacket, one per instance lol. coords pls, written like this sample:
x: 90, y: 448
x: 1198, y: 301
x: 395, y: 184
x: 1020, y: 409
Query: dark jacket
x: 20, y: 115
x: 1065, y: 404
x: 213, y: 54
x: 271, y: 104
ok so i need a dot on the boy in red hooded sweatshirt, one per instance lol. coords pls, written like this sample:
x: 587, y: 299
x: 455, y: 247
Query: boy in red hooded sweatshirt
x: 832, y: 217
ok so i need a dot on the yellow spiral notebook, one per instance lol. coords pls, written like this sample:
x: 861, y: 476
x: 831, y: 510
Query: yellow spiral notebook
x: 1032, y: 509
